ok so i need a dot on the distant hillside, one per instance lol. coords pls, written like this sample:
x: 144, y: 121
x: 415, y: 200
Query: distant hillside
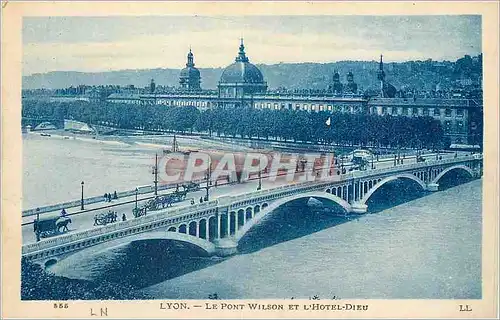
x: 412, y: 74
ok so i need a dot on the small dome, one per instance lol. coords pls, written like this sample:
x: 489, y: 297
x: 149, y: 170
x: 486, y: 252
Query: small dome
x: 190, y: 72
x: 189, y: 78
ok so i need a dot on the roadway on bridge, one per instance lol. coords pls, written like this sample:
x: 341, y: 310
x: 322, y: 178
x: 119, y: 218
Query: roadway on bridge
x: 84, y: 220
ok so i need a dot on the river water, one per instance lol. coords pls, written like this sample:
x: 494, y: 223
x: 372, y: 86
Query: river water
x: 410, y: 246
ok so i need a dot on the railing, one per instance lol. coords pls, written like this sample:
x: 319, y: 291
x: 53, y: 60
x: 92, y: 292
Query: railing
x: 179, y: 212
x: 170, y: 213
x: 92, y: 200
x: 406, y: 167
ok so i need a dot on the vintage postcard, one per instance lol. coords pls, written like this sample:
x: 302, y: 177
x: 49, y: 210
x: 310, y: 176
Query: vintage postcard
x: 250, y: 160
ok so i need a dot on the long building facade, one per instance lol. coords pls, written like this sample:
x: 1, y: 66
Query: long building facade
x: 243, y: 85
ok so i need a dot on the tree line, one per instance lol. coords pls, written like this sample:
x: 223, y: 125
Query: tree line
x: 289, y: 125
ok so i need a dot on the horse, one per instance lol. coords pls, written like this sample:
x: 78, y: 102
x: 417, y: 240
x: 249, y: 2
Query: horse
x: 63, y: 223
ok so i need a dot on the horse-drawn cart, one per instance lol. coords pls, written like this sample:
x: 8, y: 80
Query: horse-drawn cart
x: 191, y: 186
x: 102, y: 219
x: 50, y: 226
x: 160, y: 203
x: 139, y: 212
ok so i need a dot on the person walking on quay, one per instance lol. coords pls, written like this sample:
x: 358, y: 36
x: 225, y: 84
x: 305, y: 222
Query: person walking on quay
x: 63, y: 212
x: 115, y: 195
x: 124, y: 217
x: 201, y: 199
x: 192, y: 201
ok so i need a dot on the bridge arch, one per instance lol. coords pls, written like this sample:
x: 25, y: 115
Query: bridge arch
x: 457, y: 167
x: 274, y: 205
x: 206, y: 246
x: 381, y: 182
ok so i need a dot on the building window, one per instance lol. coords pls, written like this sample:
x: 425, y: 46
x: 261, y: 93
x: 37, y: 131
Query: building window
x: 275, y: 106
x: 400, y: 110
x: 460, y: 112
x: 409, y: 111
x: 437, y: 112
x: 415, y: 111
x: 269, y: 105
x: 313, y: 107
x: 321, y: 108
x: 384, y: 110
x: 448, y: 113
x: 460, y: 126
x: 329, y: 107
x: 426, y: 111
x: 447, y: 126
x: 297, y: 106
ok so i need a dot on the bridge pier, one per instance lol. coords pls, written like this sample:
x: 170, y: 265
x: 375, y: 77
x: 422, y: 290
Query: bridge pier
x: 225, y: 247
x: 433, y: 187
x: 359, y: 208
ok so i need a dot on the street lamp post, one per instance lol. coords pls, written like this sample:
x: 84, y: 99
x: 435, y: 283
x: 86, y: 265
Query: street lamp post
x: 136, y: 191
x: 208, y: 180
x: 260, y: 179
x: 155, y: 172
x: 81, y: 202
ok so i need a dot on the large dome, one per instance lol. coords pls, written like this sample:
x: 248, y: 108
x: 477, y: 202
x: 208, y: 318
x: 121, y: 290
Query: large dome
x: 241, y: 71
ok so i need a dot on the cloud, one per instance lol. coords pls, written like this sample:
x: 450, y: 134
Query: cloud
x: 115, y: 44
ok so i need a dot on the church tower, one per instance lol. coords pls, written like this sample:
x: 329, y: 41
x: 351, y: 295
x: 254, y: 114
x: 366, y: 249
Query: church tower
x: 381, y: 76
x: 351, y: 87
x: 337, y: 86
x: 387, y: 90
x: 152, y: 86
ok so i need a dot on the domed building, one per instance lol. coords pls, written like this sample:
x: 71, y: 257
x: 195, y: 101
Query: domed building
x: 241, y: 79
x: 190, y: 78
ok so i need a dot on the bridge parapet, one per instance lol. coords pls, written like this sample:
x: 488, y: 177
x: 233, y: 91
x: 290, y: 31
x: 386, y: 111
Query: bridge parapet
x: 410, y: 166
x: 170, y: 213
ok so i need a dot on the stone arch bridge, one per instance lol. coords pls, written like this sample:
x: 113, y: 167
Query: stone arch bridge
x: 215, y: 227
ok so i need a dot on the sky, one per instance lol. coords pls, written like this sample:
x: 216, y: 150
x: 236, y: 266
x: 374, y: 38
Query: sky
x: 96, y: 44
